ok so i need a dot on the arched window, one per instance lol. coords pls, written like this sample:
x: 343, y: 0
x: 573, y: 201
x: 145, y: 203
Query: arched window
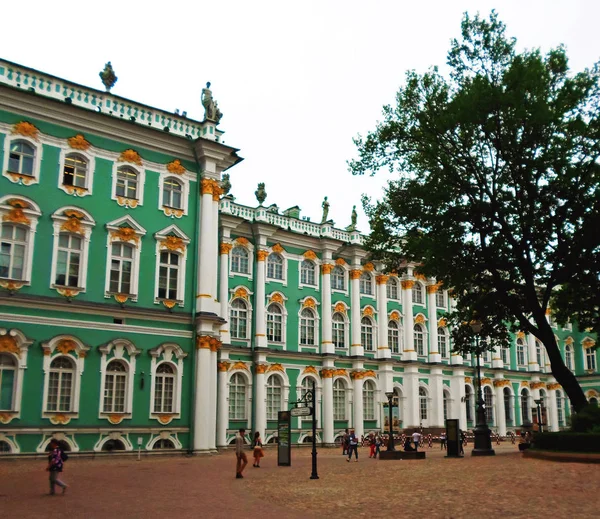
x: 338, y: 328
x: 164, y: 388
x: 593, y: 401
x: 338, y: 278
x: 168, y: 275
x: 307, y: 327
x: 127, y: 185
x: 339, y: 400
x: 525, y: 412
x: 13, y: 242
x: 560, y: 410
x: 488, y: 401
x: 369, y: 400
x: 274, y: 323
x: 394, y: 336
x: 446, y: 405
x: 60, y: 385
x: 423, y: 403
x: 307, y: 273
x: 392, y: 288
x: 113, y: 445
x: 366, y: 284
x: 69, y: 260
x: 21, y: 158
x: 8, y: 371
x: 115, y: 387
x: 440, y: 298
x: 275, y: 266
x: 238, y: 319
x: 419, y: 336
x: 121, y: 268
x: 469, y: 403
x: 239, y: 260
x: 4, y: 447
x: 442, y: 342
x: 75, y: 171
x: 366, y: 334
x: 237, y: 397
x: 508, y: 405
x: 417, y: 293
x: 163, y: 443
x: 172, y: 195
x: 521, y: 359
x: 274, y: 394
x: 569, y: 356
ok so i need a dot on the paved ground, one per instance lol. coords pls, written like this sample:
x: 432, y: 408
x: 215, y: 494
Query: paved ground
x: 505, y: 486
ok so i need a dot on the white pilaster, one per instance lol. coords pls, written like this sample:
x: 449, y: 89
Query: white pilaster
x: 533, y: 363
x: 359, y: 427
x: 409, y: 321
x: 260, y: 323
x: 326, y: 312
x: 260, y: 402
x: 222, y: 405
x: 553, y: 408
x: 355, y: 346
x: 205, y: 298
x: 436, y: 386
x: 214, y: 245
x: 500, y: 411
x: 327, y: 381
x: 434, y: 354
x: 497, y: 358
x: 202, y: 401
x: 457, y: 389
x: 411, y: 387
x: 383, y: 348
x: 225, y: 249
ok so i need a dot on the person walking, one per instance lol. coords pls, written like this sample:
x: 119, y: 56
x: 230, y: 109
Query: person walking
x: 463, y: 440
x: 416, y: 438
x: 240, y: 455
x: 345, y: 443
x: 352, y: 446
x: 257, y: 452
x: 371, y: 445
x: 378, y: 443
x: 56, y: 461
x: 443, y: 441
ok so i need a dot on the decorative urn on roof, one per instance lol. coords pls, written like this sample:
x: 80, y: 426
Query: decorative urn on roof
x: 108, y: 77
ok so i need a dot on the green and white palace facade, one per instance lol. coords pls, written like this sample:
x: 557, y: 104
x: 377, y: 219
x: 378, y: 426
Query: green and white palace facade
x: 142, y: 307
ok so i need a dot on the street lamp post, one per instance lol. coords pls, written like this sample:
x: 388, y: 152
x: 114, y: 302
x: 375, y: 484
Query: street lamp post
x: 483, y: 441
x: 390, y: 397
x: 538, y: 404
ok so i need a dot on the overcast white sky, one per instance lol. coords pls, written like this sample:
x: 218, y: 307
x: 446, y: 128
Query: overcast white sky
x: 296, y: 81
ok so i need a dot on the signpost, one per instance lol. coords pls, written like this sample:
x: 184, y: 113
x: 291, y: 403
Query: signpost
x: 453, y: 438
x: 309, y: 401
x: 284, y: 445
x: 301, y: 411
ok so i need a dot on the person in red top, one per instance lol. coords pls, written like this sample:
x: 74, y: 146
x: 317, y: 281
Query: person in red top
x: 372, y: 445
x: 56, y: 461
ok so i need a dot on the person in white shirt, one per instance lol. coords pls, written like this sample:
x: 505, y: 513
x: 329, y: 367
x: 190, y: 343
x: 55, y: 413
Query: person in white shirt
x: 416, y: 438
x: 240, y: 455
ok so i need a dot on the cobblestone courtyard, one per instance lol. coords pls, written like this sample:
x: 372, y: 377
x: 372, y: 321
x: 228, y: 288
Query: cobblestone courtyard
x: 506, y: 486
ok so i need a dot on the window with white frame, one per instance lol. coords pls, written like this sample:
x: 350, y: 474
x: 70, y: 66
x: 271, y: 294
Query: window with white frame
x: 274, y: 323
x: 446, y: 405
x: 115, y: 387
x: 440, y: 298
x: 8, y: 380
x: 366, y: 284
x: 366, y: 333
x: 469, y: 403
x: 442, y: 342
x: 538, y: 354
x: 171, y: 258
x: 307, y: 327
x: 307, y: 273
x: 417, y: 293
x: 569, y: 356
x: 238, y: 319
x: 172, y: 193
x: 560, y: 410
x: 165, y: 382
x: 338, y: 278
x: 121, y: 268
x: 163, y: 443
x: 239, y: 260
x: 237, y: 397
x: 394, y: 336
x: 275, y: 266
x: 504, y: 355
x: 127, y: 183
x: 168, y: 275
x: 521, y: 358
x: 21, y: 158
x: 75, y: 171
x: 339, y: 399
x: 507, y: 405
x: 488, y: 401
x: 419, y: 339
x: 338, y: 325
x: 274, y: 397
x: 13, y: 251
x: 423, y: 404
x: 391, y: 288
x: 590, y: 359
x: 369, y: 400
x: 60, y: 385
x: 69, y: 260
x: 525, y: 412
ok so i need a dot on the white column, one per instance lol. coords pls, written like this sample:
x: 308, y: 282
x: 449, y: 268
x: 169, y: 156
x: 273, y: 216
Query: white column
x: 457, y: 389
x: 436, y: 387
x: 411, y: 387
x: 553, y: 408
x: 359, y: 426
x: 533, y: 363
x: 326, y: 333
x: 222, y: 405
x: 207, y: 229
x: 225, y: 249
x: 383, y: 348
x: 259, y: 302
x: 327, y: 381
x: 214, y: 269
x: 355, y: 346
x: 260, y: 399
x: 409, y: 322
x: 434, y: 354
x: 500, y: 411
x: 202, y: 401
x: 497, y: 358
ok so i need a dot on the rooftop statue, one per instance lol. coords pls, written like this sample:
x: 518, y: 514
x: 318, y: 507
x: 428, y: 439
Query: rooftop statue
x: 108, y: 77
x: 225, y: 184
x: 261, y: 194
x: 211, y: 108
x: 353, y: 218
x: 325, y: 206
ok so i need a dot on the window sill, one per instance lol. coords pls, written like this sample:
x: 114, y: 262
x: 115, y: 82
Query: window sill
x: 115, y: 418
x: 165, y: 418
x: 120, y: 297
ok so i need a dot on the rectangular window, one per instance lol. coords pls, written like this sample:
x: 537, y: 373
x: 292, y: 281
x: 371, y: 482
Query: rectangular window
x: 168, y: 275
x: 121, y: 266
x: 12, y: 251
x: 75, y: 172
x: 590, y: 359
x: 68, y: 262
x: 440, y: 299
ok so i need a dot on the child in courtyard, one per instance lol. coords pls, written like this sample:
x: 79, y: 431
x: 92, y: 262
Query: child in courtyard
x: 56, y: 461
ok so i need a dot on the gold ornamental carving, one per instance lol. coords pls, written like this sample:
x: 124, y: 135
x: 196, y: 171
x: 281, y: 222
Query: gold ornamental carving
x: 341, y: 372
x: 326, y: 268
x: 261, y: 255
x: 520, y: 335
x: 6, y: 418
x: 310, y: 369
x: 225, y: 248
x: 125, y: 234
x: 569, y: 340
x: 12, y: 286
x: 548, y: 311
x: 127, y: 202
x: 432, y: 289
x: 395, y: 315
x: 524, y: 383
x: 240, y: 240
x: 355, y: 274
x: 310, y: 255
x: 554, y: 385
x: 486, y: 380
x: 203, y: 342
x: 240, y: 365
x: 442, y: 322
x: 368, y: 311
x: 223, y: 365
x: 407, y: 284
x: 175, y: 167
x: 420, y: 277
x: 420, y: 319
x: 17, y: 202
x: 130, y: 156
x: 309, y: 302
x: 115, y: 419
x: 260, y: 369
x: 173, y: 243
x: 537, y: 385
x: 16, y: 215
x: 276, y: 367
x: 340, y: 262
x: 9, y: 345
x: 468, y: 380
x: 26, y: 129
x: 217, y: 192
x: 277, y: 248
x: 78, y: 142
x: 382, y: 279
x: 588, y: 343
x: 68, y: 292
x: 165, y: 418
x: 18, y: 177
x: 74, y: 190
x: 60, y: 419
x: 171, y: 211
x: 215, y: 344
x: 276, y: 298
x: 241, y: 292
x: 73, y: 225
x: 66, y: 346
x: 327, y: 373
x: 501, y: 383
x: 369, y: 267
x: 169, y: 303
x: 340, y: 307
x: 121, y: 298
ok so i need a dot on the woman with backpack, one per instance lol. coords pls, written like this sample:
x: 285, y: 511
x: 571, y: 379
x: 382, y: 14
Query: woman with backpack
x: 56, y: 460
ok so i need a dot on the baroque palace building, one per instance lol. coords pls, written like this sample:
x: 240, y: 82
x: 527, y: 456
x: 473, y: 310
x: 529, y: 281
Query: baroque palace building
x: 142, y: 307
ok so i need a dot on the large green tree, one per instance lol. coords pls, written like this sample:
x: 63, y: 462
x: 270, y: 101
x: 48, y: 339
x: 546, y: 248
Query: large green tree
x: 497, y: 194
